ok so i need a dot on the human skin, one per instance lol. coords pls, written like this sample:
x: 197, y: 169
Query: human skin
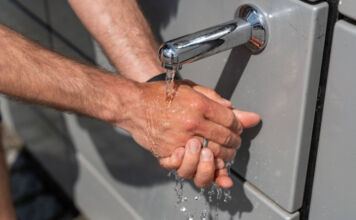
x: 123, y: 32
x: 49, y: 79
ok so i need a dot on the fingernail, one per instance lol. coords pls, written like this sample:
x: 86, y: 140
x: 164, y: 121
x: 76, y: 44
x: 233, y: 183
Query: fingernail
x: 206, y: 155
x: 236, y: 113
x: 194, y: 146
x: 226, y: 101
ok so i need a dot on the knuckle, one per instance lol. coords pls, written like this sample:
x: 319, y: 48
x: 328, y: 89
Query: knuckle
x: 227, y: 140
x: 217, y: 150
x: 198, y: 104
x: 191, y: 123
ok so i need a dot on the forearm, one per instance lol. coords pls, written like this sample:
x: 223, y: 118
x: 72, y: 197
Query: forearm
x: 120, y: 27
x: 34, y: 74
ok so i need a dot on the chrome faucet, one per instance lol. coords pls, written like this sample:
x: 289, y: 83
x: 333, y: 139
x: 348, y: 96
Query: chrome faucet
x: 249, y: 27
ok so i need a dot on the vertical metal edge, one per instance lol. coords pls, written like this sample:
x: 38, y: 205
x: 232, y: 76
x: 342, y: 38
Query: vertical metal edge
x: 332, y: 18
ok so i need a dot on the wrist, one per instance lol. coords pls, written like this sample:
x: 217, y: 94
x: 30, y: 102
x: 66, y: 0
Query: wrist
x: 142, y: 70
x: 117, y: 96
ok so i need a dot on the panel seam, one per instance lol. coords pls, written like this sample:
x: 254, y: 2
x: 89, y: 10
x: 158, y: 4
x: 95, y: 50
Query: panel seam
x: 333, y: 17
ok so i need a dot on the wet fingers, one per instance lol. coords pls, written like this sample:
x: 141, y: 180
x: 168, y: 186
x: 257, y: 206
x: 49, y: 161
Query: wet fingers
x: 190, y: 160
x: 174, y: 161
x: 206, y: 169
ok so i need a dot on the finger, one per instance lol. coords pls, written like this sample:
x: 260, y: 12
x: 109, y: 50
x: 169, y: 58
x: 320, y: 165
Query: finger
x: 206, y: 169
x: 219, y: 164
x: 174, y: 161
x: 224, y: 153
x: 218, y: 134
x: 212, y: 94
x: 222, y: 178
x: 247, y: 119
x: 220, y: 151
x: 221, y: 115
x: 191, y: 159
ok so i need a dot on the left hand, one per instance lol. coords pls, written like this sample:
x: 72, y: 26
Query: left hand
x: 192, y: 162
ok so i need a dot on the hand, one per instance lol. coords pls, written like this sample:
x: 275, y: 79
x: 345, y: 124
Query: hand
x: 194, y: 162
x: 189, y: 164
x: 162, y: 126
x: 197, y: 163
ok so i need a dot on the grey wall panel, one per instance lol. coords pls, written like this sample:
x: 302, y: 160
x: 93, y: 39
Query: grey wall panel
x: 132, y: 178
x: 36, y: 7
x: 333, y: 195
x: 14, y: 17
x: 348, y: 8
x: 68, y: 32
x: 280, y: 84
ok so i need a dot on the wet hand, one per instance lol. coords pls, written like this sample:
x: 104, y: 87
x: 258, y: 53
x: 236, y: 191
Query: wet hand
x: 162, y: 126
x: 195, y: 162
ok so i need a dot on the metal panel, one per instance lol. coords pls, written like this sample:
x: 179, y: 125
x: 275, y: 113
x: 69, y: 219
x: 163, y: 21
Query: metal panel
x: 333, y: 194
x: 280, y: 84
x: 145, y: 191
x: 348, y: 8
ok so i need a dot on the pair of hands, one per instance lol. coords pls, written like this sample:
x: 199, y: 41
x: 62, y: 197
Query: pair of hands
x: 174, y: 131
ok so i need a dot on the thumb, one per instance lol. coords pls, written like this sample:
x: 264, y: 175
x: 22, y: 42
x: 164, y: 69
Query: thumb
x: 247, y: 119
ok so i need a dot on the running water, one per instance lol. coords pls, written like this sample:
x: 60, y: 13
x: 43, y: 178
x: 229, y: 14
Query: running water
x: 214, y: 193
x: 211, y: 205
x: 170, y: 87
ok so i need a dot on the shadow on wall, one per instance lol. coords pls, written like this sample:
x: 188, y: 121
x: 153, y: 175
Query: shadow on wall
x: 133, y: 165
x: 159, y: 14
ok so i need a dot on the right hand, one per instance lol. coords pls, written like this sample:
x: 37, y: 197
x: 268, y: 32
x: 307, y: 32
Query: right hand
x: 199, y: 163
x: 162, y: 127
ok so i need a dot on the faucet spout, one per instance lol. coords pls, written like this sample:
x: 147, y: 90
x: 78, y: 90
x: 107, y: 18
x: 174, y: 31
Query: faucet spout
x: 248, y: 28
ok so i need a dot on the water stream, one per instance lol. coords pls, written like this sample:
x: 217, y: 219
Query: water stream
x: 170, y: 87
x: 214, y: 193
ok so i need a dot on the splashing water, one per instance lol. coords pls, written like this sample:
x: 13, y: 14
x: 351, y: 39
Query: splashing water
x: 214, y: 195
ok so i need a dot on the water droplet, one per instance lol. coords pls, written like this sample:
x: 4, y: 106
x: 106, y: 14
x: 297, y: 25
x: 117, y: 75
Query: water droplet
x: 227, y: 195
x: 204, y: 214
x: 190, y: 217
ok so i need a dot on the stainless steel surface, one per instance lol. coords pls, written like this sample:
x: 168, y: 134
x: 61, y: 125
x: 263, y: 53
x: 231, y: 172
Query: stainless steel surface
x: 280, y: 84
x: 348, y: 8
x: 334, y: 194
x: 248, y: 28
